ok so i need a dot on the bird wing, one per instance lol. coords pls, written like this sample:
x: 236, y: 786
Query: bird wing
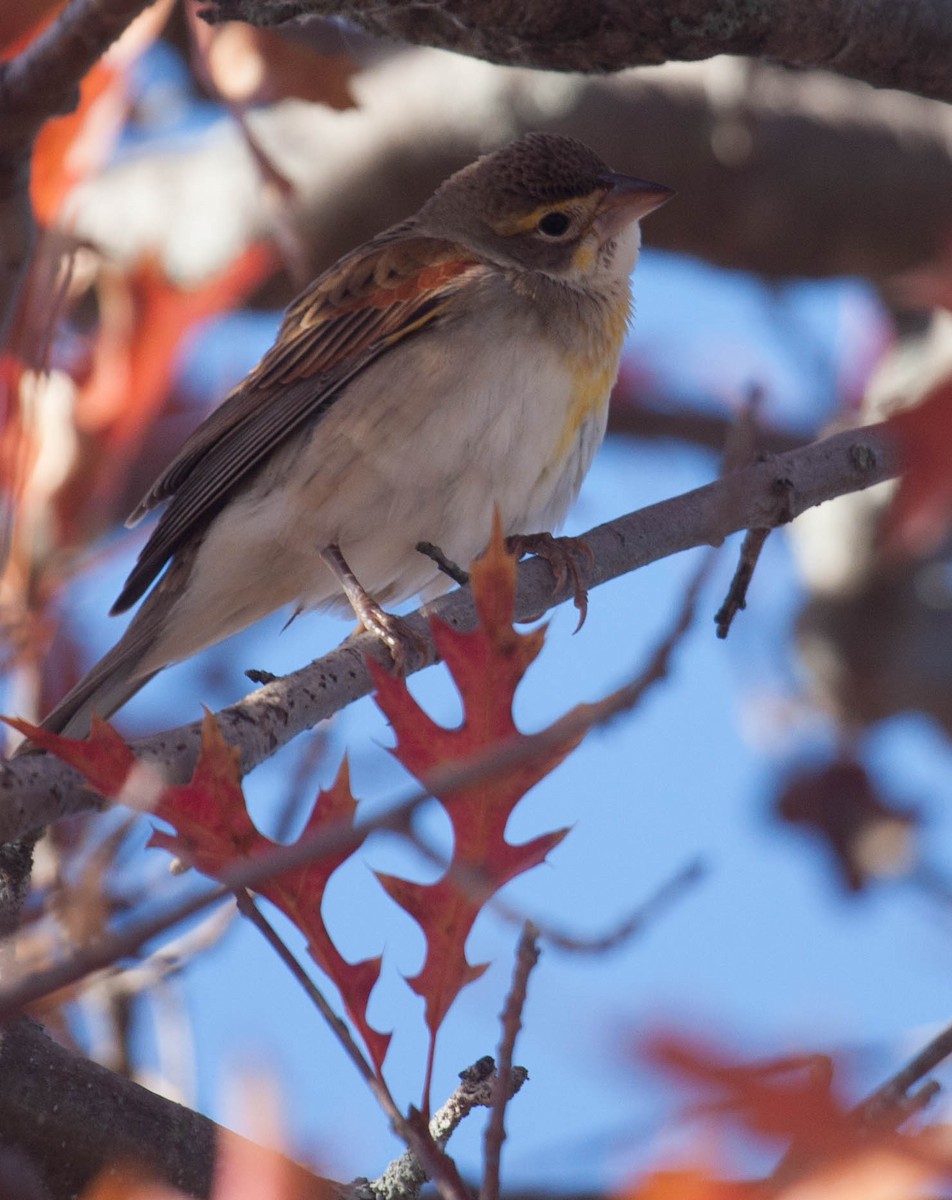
x: 374, y: 297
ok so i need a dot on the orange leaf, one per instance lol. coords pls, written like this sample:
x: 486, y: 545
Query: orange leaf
x: 71, y: 148
x: 103, y: 758
x: 789, y: 1099
x: 918, y: 520
x: 214, y: 831
x: 487, y: 666
x: 687, y: 1185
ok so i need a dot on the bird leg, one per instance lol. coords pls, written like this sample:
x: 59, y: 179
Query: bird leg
x: 403, y: 642
x: 565, y: 556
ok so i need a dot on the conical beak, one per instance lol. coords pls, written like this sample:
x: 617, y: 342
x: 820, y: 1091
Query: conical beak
x: 627, y: 200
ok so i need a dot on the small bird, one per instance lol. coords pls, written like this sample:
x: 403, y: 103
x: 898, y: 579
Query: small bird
x: 459, y: 361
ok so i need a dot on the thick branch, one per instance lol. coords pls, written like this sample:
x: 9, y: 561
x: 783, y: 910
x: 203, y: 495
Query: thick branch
x: 74, y: 1118
x: 906, y: 46
x: 36, y: 789
x: 779, y: 172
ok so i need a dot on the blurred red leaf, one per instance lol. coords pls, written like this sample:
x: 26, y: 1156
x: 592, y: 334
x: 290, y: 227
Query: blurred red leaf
x: 243, y: 1171
x: 870, y: 838
x: 144, y: 320
x: 18, y: 448
x: 148, y: 316
x: 918, y: 520
x: 832, y: 1150
x: 214, y: 831
x: 688, y: 1184
x: 248, y: 65
x: 790, y: 1099
x: 246, y: 1171
x: 71, y: 148
x: 21, y: 22
x: 487, y: 666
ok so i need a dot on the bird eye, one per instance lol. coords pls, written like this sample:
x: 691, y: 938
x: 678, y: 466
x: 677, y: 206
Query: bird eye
x: 554, y: 224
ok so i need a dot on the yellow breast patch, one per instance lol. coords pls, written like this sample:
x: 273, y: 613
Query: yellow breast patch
x: 593, y: 371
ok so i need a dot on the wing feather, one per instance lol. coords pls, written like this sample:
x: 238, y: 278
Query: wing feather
x: 388, y: 290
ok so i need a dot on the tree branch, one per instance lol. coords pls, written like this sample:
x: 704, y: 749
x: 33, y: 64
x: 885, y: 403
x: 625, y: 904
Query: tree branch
x: 862, y: 38
x: 37, y: 789
x: 73, y: 1118
x: 779, y: 172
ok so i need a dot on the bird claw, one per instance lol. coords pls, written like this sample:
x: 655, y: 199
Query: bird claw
x: 566, y: 557
x: 405, y: 644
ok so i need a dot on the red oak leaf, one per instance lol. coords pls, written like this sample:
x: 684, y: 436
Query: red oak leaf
x: 214, y: 831
x: 487, y: 666
x: 921, y: 512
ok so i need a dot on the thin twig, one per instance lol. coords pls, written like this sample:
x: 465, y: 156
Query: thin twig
x: 668, y: 893
x: 888, y: 1100
x: 404, y: 1177
x: 527, y: 955
x: 736, y: 598
x: 337, y: 1026
x: 446, y: 565
x: 423, y: 1145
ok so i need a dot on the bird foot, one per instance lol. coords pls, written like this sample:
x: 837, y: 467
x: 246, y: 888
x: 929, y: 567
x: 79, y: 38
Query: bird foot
x: 565, y: 555
x: 405, y: 645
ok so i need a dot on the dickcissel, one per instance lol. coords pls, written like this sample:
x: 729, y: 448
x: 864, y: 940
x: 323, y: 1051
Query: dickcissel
x: 460, y: 360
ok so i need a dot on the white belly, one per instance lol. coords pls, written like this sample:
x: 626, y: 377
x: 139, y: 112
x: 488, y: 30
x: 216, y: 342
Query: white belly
x: 416, y: 450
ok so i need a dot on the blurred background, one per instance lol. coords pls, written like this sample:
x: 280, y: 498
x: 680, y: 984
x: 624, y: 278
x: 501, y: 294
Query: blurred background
x: 803, y: 762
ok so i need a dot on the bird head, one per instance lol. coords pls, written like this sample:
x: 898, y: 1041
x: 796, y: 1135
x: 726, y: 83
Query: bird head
x: 545, y: 203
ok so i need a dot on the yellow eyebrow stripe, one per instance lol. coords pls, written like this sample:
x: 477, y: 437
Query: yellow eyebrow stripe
x: 524, y: 224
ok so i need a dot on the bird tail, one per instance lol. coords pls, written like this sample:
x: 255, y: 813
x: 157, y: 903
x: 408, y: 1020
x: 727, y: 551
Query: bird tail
x: 136, y: 658
x: 105, y: 688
